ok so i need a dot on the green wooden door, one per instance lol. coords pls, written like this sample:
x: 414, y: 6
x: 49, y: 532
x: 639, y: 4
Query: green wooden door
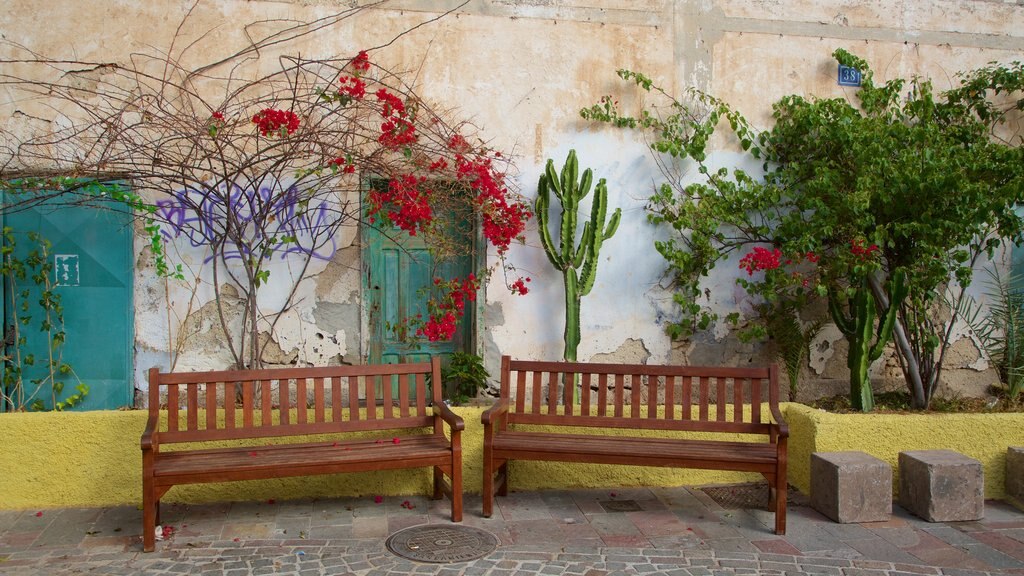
x: 91, y: 254
x: 398, y: 278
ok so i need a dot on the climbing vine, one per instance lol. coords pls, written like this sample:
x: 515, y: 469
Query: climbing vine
x: 253, y: 168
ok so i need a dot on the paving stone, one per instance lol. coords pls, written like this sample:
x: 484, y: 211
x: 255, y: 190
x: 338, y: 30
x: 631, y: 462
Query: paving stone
x: 941, y: 485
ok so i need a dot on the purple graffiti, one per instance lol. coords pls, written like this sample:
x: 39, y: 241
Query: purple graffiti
x: 274, y: 223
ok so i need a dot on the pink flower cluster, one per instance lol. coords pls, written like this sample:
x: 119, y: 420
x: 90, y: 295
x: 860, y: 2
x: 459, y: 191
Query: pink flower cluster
x: 276, y: 122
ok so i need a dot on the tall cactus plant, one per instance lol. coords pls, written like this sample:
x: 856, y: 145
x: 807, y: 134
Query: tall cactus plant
x: 568, y: 257
x: 858, y: 327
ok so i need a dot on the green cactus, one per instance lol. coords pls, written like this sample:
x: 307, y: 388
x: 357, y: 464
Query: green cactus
x: 858, y: 327
x: 568, y: 257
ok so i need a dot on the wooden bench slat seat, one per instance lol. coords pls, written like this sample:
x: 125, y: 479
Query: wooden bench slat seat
x: 283, y: 460
x: 705, y: 454
x: 341, y: 419
x: 544, y: 407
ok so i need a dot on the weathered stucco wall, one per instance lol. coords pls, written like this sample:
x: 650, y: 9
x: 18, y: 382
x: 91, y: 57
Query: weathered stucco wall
x: 521, y: 70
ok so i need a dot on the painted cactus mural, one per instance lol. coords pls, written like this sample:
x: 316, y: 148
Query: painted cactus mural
x: 577, y: 262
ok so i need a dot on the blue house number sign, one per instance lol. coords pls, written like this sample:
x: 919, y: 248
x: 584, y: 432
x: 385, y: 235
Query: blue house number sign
x: 848, y: 76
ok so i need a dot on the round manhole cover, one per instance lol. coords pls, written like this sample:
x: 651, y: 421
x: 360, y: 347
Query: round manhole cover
x: 442, y: 544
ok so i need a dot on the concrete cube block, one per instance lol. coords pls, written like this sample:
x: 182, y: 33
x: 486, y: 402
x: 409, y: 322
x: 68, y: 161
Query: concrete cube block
x: 942, y: 485
x: 851, y: 487
x: 1015, y: 476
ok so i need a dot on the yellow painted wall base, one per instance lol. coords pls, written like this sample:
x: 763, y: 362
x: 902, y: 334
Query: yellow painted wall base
x: 86, y: 459
x: 984, y: 437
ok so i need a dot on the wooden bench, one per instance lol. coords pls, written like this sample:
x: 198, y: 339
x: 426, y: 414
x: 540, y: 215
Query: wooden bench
x: 660, y: 399
x: 403, y: 429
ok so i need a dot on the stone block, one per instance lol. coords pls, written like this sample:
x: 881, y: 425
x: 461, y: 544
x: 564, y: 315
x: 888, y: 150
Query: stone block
x: 851, y: 487
x: 1015, y: 476
x: 942, y: 485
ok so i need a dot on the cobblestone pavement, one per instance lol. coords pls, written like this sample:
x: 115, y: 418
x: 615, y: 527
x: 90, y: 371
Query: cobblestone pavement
x: 675, y: 531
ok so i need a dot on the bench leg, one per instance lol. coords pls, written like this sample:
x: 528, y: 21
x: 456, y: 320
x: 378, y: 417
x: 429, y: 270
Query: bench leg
x: 503, y: 472
x: 488, y: 488
x: 438, y: 483
x: 150, y: 515
x: 457, y: 491
x: 780, y: 508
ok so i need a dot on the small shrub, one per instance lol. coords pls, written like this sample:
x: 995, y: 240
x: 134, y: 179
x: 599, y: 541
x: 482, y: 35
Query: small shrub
x: 463, y: 377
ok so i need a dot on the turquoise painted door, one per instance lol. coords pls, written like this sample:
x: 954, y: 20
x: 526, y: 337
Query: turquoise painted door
x: 91, y: 254
x: 398, y: 278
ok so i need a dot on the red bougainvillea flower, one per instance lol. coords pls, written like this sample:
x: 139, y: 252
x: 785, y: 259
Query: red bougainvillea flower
x: 760, y: 259
x: 406, y: 203
x: 361, y: 63
x: 437, y: 165
x: 396, y: 132
x: 352, y: 87
x: 503, y: 221
x: 217, y: 116
x: 439, y: 327
x: 392, y: 105
x: 519, y: 286
x: 276, y: 122
x: 341, y: 164
x: 857, y: 248
x: 458, y: 144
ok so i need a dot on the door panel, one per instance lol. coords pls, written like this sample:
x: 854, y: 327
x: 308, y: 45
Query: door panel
x: 93, y: 269
x: 398, y: 277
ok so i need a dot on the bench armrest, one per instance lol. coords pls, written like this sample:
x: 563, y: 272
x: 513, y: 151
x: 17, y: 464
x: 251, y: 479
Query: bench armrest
x: 454, y: 420
x: 780, y: 422
x: 495, y: 414
x: 150, y: 438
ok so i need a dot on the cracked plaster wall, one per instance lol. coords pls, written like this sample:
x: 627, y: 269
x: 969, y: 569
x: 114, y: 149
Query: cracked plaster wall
x: 521, y: 70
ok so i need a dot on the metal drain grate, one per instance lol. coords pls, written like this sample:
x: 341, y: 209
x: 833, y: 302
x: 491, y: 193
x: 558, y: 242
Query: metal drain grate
x: 442, y: 544
x: 620, y: 506
x: 739, y: 496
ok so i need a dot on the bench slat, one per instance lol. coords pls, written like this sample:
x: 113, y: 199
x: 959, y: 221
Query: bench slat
x: 211, y: 406
x: 755, y: 401
x: 737, y: 399
x: 627, y: 422
x: 421, y: 394
x: 290, y: 430
x: 336, y: 399
x: 301, y: 401
x: 585, y: 395
x: 229, y: 405
x: 353, y: 397
x: 318, y: 400
x: 389, y: 408
x: 192, y: 393
x: 369, y: 384
x: 295, y: 459
x: 247, y: 403
x: 751, y: 456
x: 172, y: 408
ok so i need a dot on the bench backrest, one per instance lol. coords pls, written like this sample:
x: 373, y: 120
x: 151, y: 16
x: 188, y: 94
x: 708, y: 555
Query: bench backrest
x: 224, y: 405
x: 650, y: 397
